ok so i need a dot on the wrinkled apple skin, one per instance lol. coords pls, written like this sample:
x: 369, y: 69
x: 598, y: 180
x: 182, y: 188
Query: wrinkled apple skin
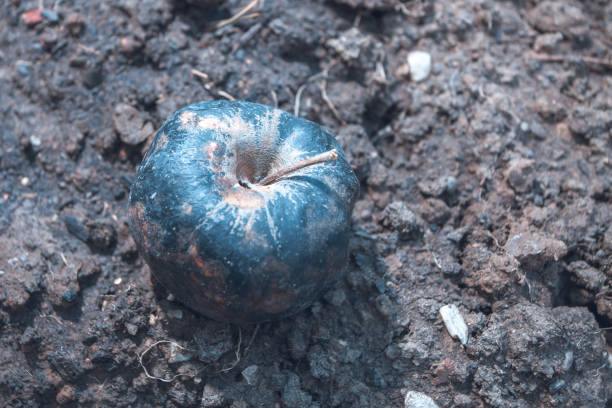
x: 242, y: 252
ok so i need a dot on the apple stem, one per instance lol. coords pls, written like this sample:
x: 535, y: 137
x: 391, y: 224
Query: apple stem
x: 328, y: 156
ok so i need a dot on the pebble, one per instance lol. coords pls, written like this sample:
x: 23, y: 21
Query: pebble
x: 559, y: 16
x: 132, y: 329
x: 51, y: 16
x: 69, y: 296
x: 75, y: 24
x: 94, y: 76
x: 568, y: 360
x: 211, y: 397
x: 65, y: 395
x: 420, y: 65
x: 454, y: 322
x: 32, y: 17
x: 520, y: 175
x: 556, y: 385
x: 533, y: 250
x: 548, y: 42
x: 398, y: 217
x: 24, y: 68
x: 250, y: 374
x: 25, y: 181
x: 130, y: 125
x: 416, y: 399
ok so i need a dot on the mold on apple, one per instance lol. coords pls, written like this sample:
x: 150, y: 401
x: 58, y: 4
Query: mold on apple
x: 243, y: 211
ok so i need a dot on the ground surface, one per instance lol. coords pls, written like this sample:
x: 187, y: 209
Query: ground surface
x: 487, y: 185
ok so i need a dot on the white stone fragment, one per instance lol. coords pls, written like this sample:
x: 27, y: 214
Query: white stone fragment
x: 420, y: 65
x: 454, y: 322
x: 418, y: 400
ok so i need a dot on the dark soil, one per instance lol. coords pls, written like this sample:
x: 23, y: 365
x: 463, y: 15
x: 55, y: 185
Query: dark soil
x: 488, y: 185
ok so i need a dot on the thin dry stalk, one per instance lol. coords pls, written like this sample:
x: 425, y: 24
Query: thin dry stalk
x: 327, y: 156
x: 152, y: 377
x: 329, y: 103
x: 238, y: 15
x: 238, y: 358
x: 591, y: 61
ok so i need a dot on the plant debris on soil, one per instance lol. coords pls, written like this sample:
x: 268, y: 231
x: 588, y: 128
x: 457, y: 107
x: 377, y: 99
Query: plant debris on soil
x: 484, y: 162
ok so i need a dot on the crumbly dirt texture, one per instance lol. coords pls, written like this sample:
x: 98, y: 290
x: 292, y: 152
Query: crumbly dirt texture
x: 487, y: 185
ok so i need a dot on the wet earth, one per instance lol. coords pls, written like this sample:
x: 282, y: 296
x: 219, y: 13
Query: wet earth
x: 486, y: 183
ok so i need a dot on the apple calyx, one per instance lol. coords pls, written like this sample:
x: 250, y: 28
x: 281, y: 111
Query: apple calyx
x: 324, y: 157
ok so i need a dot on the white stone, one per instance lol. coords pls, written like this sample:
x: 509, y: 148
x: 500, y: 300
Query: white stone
x: 454, y: 322
x: 420, y: 65
x: 418, y: 400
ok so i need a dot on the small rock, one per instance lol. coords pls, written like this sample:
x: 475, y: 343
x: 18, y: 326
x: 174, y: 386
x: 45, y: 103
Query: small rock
x: 550, y: 109
x: 65, y: 395
x: 250, y: 374
x: 69, y: 295
x: 130, y: 45
x: 454, y: 322
x: 211, y: 397
x: 559, y: 16
x: 590, y: 123
x: 604, y: 307
x: 548, y: 43
x: 537, y: 130
x: 132, y: 329
x: 384, y: 305
x: 93, y: 76
x: 76, y: 228
x: 568, y: 360
x: 586, y: 276
x: 75, y: 24
x: 420, y: 65
x: 51, y: 16
x: 533, y: 250
x: 435, y: 211
x: 101, y: 235
x: 130, y: 126
x: 398, y: 217
x: 445, y: 188
x: 416, y: 399
x: 351, y: 45
x: 520, y: 175
x: 48, y: 40
x: 32, y: 17
x: 556, y: 386
x: 24, y: 68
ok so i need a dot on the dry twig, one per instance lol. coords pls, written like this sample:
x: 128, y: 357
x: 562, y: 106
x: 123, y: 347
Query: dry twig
x: 141, y: 355
x: 235, y: 363
x: 238, y: 15
x: 592, y: 61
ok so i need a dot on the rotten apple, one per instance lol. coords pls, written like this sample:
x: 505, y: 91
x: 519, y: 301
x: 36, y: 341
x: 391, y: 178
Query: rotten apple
x: 243, y: 211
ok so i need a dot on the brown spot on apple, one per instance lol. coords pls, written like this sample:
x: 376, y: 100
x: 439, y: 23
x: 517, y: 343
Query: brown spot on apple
x: 243, y: 198
x: 162, y: 140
